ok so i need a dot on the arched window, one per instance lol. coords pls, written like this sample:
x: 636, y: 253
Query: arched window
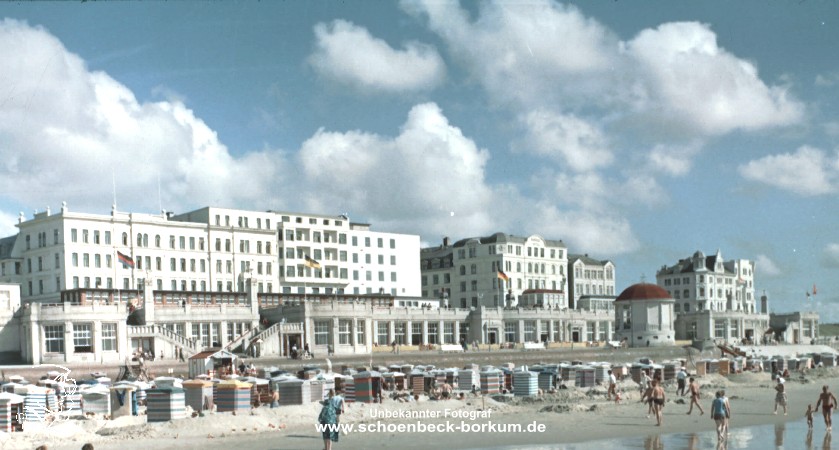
x: 157, y: 241
x: 125, y: 239
x: 139, y: 240
x: 474, y: 269
x: 145, y: 240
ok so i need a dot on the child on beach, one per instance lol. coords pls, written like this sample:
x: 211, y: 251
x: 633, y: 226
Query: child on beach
x: 618, y: 397
x: 809, y: 416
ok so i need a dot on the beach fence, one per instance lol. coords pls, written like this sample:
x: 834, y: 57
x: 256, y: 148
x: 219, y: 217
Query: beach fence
x: 165, y: 404
x: 525, y: 383
x: 198, y: 394
x: 123, y: 401
x: 11, y: 407
x: 491, y: 381
x: 234, y: 396
x: 96, y: 399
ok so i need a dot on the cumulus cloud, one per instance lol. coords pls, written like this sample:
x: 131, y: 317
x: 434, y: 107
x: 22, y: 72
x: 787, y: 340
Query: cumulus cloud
x: 766, y: 266
x: 693, y: 80
x: 574, y: 142
x: 809, y: 171
x: 673, y: 160
x: 348, y: 54
x: 539, y: 53
x: 420, y: 179
x: 830, y: 255
x: 523, y: 52
x: 64, y: 124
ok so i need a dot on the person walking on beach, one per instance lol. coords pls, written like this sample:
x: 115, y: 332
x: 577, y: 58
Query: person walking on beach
x: 658, y: 399
x: 780, y: 396
x: 809, y: 415
x: 329, y: 416
x: 828, y: 403
x: 644, y: 384
x: 721, y: 413
x: 613, y: 384
x: 275, y: 399
x: 694, y: 396
x: 681, y: 379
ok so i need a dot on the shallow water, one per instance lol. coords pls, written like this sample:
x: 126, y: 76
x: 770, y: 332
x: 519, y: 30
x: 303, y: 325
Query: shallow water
x: 790, y: 435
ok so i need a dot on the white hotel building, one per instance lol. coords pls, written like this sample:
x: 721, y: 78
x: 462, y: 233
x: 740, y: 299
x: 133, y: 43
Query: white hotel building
x: 467, y: 272
x: 210, y: 249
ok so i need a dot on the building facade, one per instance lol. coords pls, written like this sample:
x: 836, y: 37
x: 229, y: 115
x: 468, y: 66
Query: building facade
x: 108, y: 325
x: 715, y: 299
x: 465, y: 274
x: 207, y: 250
x: 589, y: 277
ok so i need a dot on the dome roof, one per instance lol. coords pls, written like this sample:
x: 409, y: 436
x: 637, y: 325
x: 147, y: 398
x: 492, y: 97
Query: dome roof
x: 643, y: 291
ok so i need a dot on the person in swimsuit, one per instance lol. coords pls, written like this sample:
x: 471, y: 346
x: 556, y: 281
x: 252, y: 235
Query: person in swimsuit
x: 828, y: 402
x: 658, y: 399
x: 720, y: 413
x: 780, y: 396
x: 694, y: 396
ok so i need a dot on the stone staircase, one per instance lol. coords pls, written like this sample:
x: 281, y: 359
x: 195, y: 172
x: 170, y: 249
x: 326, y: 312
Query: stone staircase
x: 156, y: 330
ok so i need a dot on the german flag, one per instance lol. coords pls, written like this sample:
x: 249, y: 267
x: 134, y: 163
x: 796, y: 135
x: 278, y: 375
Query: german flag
x: 311, y: 263
x: 125, y: 260
x: 503, y: 276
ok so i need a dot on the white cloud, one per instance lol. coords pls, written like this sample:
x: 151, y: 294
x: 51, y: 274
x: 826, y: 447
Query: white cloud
x: 694, y: 80
x: 415, y: 180
x: 578, y: 144
x: 584, y: 231
x: 827, y: 80
x: 64, y: 125
x: 672, y: 79
x: 673, y: 160
x: 830, y: 256
x: 766, y: 267
x: 523, y: 51
x: 809, y: 171
x: 348, y: 54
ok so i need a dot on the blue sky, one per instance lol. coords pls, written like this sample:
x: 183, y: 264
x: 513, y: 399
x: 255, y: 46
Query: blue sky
x: 634, y: 131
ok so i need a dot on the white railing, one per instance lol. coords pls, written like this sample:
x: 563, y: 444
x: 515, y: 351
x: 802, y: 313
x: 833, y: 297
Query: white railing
x: 159, y: 330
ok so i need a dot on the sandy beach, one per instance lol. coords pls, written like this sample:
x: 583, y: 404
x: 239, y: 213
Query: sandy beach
x: 573, y: 415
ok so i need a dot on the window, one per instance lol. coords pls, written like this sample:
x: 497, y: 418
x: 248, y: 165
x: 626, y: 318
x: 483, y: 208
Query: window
x: 74, y: 235
x: 382, y: 333
x: 321, y: 332
x: 54, y: 338
x: 109, y: 337
x: 510, y: 332
x: 530, y: 331
x: 359, y: 332
x: 344, y: 328
x: 433, y: 331
x: 82, y: 338
x: 74, y: 259
x: 719, y: 329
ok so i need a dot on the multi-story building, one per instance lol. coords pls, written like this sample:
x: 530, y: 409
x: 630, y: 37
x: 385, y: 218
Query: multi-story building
x: 714, y: 298
x: 591, y: 278
x: 466, y: 273
x: 207, y: 250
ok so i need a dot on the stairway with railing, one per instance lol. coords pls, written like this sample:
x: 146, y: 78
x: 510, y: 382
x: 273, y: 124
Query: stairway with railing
x: 244, y: 337
x: 189, y: 346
